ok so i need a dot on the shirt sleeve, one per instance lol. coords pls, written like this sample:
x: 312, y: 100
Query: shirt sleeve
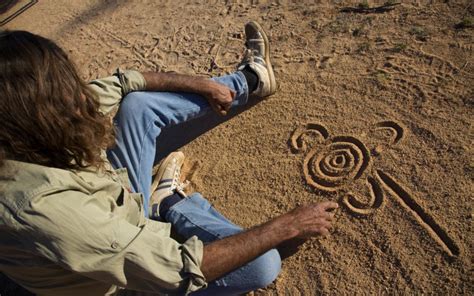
x: 111, y: 90
x: 85, y: 235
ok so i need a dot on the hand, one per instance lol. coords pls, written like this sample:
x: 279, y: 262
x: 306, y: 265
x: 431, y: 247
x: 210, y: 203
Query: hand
x: 219, y: 96
x: 313, y: 220
x: 224, y: 255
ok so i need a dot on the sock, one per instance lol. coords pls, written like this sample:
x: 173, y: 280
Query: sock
x: 167, y: 203
x: 251, y: 77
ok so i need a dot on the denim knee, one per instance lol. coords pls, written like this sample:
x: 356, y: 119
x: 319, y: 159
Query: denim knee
x: 265, y: 269
x: 133, y: 104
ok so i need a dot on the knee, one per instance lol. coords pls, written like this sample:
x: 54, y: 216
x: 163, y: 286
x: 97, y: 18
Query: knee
x: 132, y: 101
x: 134, y: 104
x: 265, y: 269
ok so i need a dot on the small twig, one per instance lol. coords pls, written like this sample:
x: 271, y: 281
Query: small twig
x: 466, y: 10
x: 217, y: 48
x: 379, y: 9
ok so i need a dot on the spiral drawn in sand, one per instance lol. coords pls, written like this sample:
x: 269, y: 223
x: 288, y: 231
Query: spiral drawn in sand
x: 343, y: 160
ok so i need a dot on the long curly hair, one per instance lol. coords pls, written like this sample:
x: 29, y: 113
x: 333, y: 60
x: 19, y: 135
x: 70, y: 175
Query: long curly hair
x: 48, y: 115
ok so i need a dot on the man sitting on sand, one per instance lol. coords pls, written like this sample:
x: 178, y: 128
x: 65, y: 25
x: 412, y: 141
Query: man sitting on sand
x: 79, y: 213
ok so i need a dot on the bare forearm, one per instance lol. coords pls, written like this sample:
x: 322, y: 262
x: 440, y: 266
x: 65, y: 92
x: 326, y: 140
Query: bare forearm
x: 219, y: 96
x: 172, y: 82
x: 223, y: 256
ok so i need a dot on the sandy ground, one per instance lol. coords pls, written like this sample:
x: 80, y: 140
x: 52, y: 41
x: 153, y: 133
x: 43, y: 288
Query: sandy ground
x: 374, y: 110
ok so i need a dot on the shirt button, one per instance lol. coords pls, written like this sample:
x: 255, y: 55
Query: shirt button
x: 114, y: 245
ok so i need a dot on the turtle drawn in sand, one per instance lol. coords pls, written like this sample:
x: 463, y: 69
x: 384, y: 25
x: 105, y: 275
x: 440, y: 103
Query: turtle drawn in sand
x: 334, y: 163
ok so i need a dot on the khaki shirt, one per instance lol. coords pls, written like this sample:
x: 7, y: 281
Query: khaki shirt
x: 65, y: 232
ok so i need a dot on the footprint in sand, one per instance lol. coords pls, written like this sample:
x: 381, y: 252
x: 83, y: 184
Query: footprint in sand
x: 334, y: 163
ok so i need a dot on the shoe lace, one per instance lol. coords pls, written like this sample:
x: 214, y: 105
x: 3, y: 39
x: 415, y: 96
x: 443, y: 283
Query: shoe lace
x: 249, y: 55
x: 177, y: 185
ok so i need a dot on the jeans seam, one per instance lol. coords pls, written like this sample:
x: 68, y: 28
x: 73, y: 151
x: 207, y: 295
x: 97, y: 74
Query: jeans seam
x: 140, y: 156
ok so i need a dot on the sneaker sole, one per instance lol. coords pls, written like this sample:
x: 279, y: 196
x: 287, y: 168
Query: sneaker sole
x: 273, y: 85
x: 156, y: 180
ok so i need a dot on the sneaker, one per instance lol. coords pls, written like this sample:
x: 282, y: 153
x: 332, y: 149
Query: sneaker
x: 257, y: 58
x: 167, y: 180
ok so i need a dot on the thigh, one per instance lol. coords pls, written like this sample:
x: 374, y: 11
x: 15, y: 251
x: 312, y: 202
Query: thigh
x: 194, y: 215
x: 171, y: 108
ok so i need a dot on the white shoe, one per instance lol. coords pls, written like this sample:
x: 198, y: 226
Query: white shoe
x: 167, y: 180
x: 257, y: 58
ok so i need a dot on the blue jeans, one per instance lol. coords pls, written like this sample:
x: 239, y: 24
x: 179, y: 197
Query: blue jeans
x: 139, y: 121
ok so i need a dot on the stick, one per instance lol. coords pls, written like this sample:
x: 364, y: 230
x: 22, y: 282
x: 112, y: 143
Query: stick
x: 379, y: 9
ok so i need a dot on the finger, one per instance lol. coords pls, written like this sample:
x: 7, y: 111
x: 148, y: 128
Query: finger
x: 329, y: 205
x: 228, y: 103
x: 328, y: 225
x: 221, y: 110
x: 323, y: 223
x: 324, y: 231
x: 226, y: 107
x: 328, y: 216
x: 218, y: 109
x: 319, y: 231
x: 323, y: 215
